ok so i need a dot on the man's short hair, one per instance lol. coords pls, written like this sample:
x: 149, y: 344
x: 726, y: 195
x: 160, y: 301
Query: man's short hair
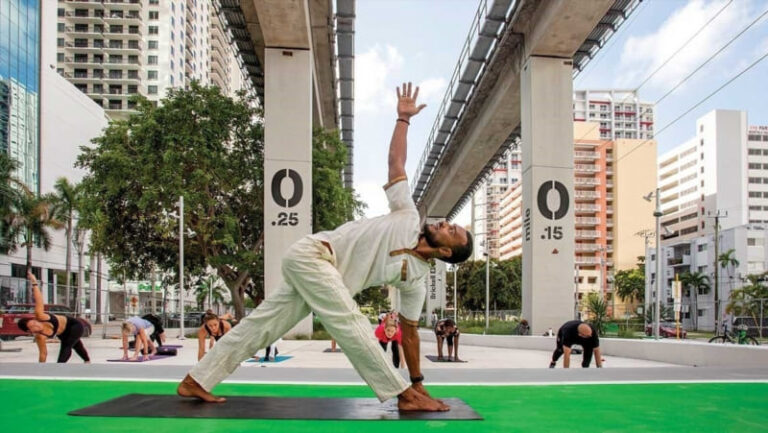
x: 22, y: 324
x: 462, y: 252
x: 449, y: 322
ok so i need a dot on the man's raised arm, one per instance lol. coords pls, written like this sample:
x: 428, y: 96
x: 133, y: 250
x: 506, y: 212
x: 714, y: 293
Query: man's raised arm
x: 398, y: 147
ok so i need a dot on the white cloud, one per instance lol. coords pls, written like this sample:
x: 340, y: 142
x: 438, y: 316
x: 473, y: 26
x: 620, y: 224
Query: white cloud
x: 644, y: 54
x: 373, y: 195
x: 432, y: 90
x: 372, y: 69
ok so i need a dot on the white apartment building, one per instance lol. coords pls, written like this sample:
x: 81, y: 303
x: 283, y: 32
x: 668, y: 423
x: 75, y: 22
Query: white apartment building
x: 113, y: 49
x: 723, y: 168
x: 620, y: 113
x: 680, y: 256
x: 486, y: 204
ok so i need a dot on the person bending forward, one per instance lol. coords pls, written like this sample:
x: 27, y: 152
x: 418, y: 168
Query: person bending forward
x: 577, y: 332
x: 322, y: 272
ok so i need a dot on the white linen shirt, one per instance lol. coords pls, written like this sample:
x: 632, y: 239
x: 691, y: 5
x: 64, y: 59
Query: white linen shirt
x: 378, y: 251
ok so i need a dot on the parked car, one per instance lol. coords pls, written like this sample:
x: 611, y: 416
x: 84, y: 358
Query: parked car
x: 8, y: 320
x: 666, y: 330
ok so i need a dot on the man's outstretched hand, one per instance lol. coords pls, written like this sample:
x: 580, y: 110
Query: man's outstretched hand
x: 406, y: 102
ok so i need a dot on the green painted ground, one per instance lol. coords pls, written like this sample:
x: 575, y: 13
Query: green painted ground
x: 41, y: 406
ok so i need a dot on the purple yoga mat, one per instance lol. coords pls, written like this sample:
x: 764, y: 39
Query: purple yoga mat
x: 151, y: 358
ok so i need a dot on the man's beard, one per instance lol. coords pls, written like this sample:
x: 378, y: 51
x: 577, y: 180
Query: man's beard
x: 429, y: 236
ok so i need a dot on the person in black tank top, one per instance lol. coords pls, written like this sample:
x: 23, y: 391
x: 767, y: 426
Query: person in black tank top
x: 212, y: 329
x: 68, y: 329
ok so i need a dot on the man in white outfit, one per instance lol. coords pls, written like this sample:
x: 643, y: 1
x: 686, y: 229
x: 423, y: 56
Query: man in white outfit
x: 322, y: 272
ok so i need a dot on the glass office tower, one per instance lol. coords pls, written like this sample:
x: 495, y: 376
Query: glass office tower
x: 20, y: 87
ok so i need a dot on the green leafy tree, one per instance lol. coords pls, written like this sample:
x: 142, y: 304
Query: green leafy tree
x: 696, y: 283
x: 630, y: 285
x: 505, y: 284
x: 207, y: 147
x: 374, y: 297
x: 10, y: 188
x: 749, y: 300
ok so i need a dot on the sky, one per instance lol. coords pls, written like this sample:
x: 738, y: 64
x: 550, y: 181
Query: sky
x: 420, y: 40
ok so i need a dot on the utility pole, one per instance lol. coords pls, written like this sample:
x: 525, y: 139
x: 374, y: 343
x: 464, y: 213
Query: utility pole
x: 181, y: 265
x: 716, y: 216
x: 646, y: 234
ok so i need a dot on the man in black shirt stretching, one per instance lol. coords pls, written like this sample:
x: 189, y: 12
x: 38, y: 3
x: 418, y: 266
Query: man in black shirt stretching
x: 581, y: 333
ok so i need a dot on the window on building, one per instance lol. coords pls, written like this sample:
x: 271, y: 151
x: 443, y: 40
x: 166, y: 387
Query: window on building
x: 152, y: 90
x: 151, y: 60
x: 153, y: 30
x: 755, y: 166
x: 702, y: 247
x: 754, y: 152
x: 765, y: 152
x: 61, y: 27
x: 755, y: 194
x: 152, y: 75
x: 755, y: 180
x: 171, y: 79
x: 152, y: 45
x: 60, y: 12
x: 154, y: 15
x: 154, y: 2
x: 60, y: 42
x: 701, y: 128
x: 751, y: 242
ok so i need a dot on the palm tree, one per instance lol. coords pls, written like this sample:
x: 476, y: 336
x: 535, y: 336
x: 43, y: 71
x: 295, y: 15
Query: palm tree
x: 696, y: 282
x: 207, y: 288
x: 10, y: 187
x: 67, y: 196
x: 598, y: 311
x: 27, y: 223
x: 728, y: 262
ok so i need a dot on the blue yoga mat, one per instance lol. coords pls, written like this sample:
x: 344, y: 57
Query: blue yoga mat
x: 278, y: 358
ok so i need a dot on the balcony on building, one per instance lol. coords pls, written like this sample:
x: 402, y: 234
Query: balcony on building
x: 129, y: 5
x: 84, y: 16
x: 586, y: 195
x: 586, y: 221
x: 91, y: 4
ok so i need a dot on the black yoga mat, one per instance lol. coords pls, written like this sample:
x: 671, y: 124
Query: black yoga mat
x: 433, y: 358
x: 171, y: 406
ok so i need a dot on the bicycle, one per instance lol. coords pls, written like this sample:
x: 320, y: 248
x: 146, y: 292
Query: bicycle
x: 740, y: 337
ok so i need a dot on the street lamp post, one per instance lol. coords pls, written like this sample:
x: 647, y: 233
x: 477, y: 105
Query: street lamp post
x: 181, y: 263
x: 646, y: 235
x: 487, y: 289
x: 657, y: 304
x: 455, y: 295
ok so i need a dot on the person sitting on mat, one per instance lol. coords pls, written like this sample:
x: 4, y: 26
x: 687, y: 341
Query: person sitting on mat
x: 389, y: 332
x: 140, y: 329
x: 213, y: 329
x: 323, y: 271
x: 581, y: 333
x: 446, y: 329
x: 68, y: 329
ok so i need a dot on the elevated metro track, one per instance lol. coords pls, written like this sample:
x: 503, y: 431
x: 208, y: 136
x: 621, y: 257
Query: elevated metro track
x: 480, y: 114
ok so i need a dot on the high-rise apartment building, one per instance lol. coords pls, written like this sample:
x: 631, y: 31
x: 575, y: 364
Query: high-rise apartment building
x: 486, y: 204
x: 724, y: 167
x: 20, y: 88
x: 114, y: 49
x: 619, y: 112
x: 610, y: 179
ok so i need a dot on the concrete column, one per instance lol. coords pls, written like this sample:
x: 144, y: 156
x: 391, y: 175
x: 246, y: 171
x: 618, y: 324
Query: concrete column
x: 287, y: 160
x: 548, y: 224
x: 435, y: 282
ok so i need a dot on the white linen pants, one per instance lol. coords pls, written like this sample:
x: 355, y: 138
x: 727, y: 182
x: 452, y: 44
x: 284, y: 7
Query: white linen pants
x: 310, y: 282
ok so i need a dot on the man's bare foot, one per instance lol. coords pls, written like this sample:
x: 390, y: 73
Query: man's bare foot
x: 419, y: 387
x: 189, y: 388
x: 412, y: 400
x: 440, y: 358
